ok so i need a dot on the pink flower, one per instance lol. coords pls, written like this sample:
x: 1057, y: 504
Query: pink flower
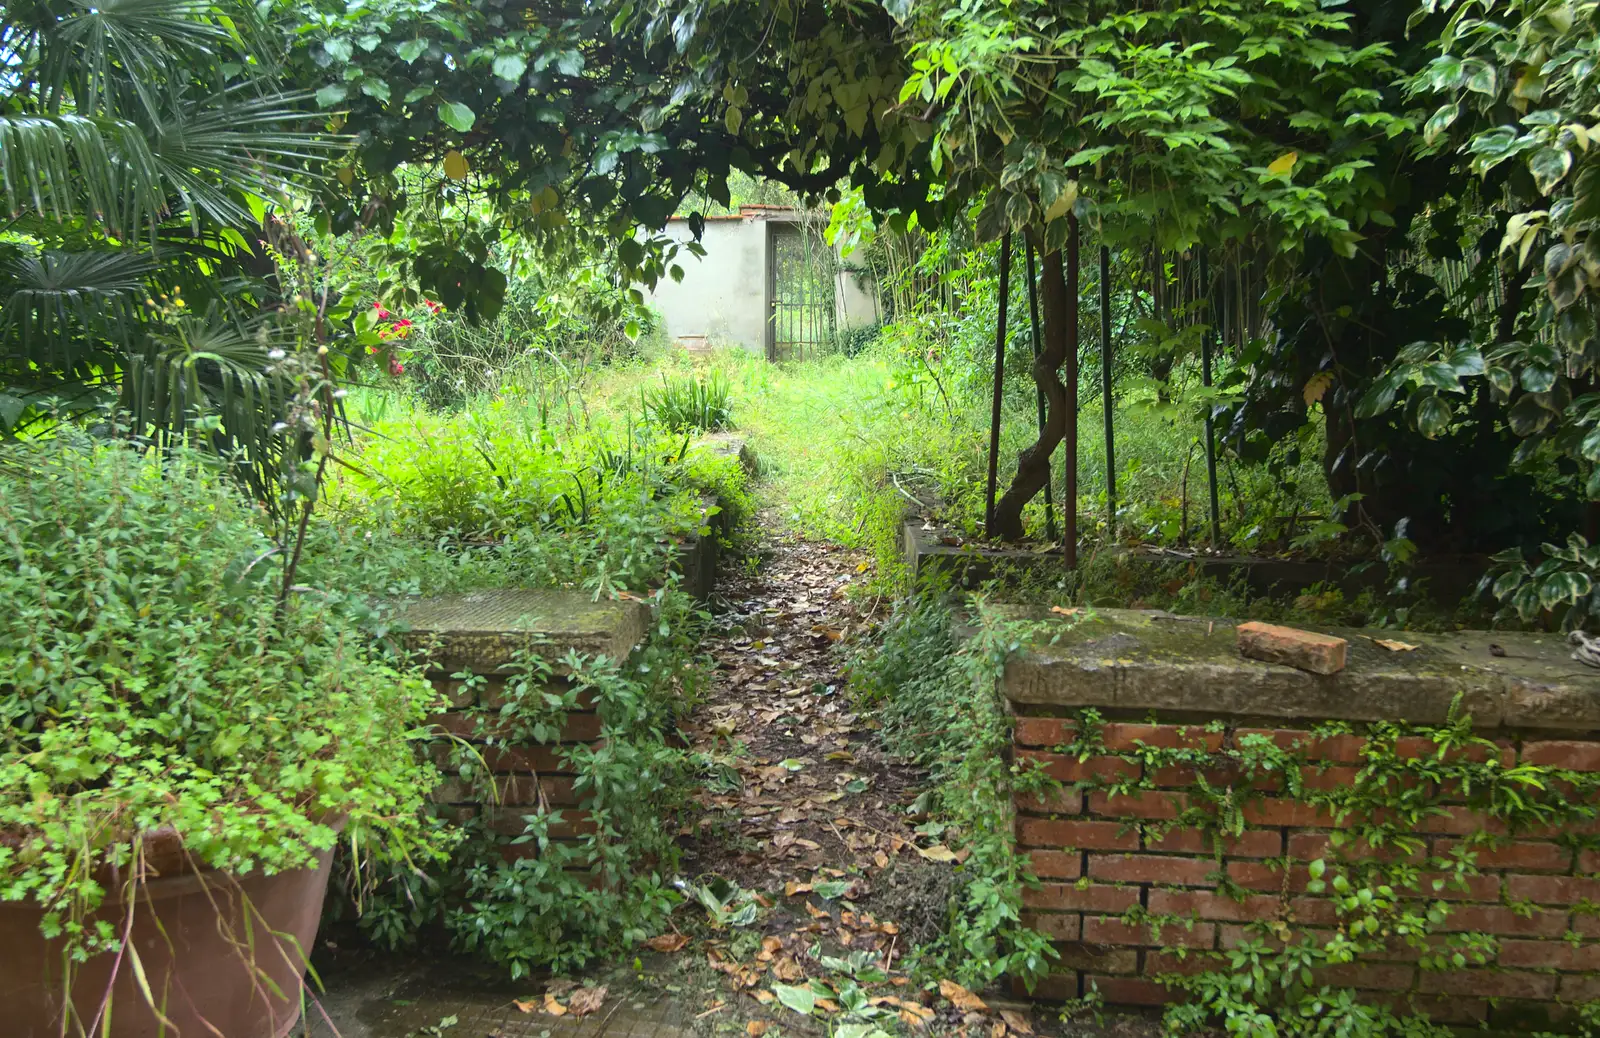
x: 396, y: 368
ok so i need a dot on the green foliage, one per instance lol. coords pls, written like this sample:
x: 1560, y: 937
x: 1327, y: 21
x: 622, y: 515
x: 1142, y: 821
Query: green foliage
x: 938, y: 706
x: 550, y: 893
x: 601, y: 506
x: 690, y: 403
x: 142, y: 148
x: 153, y: 682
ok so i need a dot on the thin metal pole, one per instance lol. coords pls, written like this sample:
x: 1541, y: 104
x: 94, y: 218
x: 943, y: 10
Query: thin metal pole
x: 1069, y: 460
x: 999, y: 379
x: 1105, y: 388
x: 1033, y: 317
x: 1205, y: 377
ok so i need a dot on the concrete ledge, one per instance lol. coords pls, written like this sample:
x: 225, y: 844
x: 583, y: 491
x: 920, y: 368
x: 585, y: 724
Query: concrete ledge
x: 482, y: 631
x: 1128, y: 660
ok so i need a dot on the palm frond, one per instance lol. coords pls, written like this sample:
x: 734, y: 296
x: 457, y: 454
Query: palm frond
x: 66, y: 308
x: 70, y: 165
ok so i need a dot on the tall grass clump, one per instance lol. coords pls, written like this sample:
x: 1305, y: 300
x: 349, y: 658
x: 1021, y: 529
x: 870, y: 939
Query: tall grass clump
x: 691, y: 402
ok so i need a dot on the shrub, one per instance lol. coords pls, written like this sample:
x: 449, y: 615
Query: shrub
x: 151, y: 680
x: 691, y: 403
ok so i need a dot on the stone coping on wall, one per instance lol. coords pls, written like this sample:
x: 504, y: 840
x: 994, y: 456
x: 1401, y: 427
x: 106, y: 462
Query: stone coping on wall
x: 1130, y: 661
x: 482, y: 631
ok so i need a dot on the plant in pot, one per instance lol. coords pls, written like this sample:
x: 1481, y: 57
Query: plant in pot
x: 180, y: 750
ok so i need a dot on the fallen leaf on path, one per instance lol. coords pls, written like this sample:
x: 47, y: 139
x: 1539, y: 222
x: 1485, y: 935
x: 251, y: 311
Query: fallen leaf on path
x: 524, y: 1007
x: 1066, y: 610
x: 668, y: 942
x: 1394, y: 646
x: 756, y: 1028
x: 938, y: 852
x: 794, y: 887
x: 912, y: 1018
x: 787, y: 968
x: 770, y: 946
x: 961, y: 998
x: 587, y: 1000
x: 763, y: 996
x: 827, y: 1005
x: 1016, y: 1021
x: 553, y: 1007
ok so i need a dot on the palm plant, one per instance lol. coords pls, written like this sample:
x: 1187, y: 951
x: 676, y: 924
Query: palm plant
x: 144, y: 145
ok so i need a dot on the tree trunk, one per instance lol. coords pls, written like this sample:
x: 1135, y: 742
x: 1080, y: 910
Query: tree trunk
x: 1033, y: 465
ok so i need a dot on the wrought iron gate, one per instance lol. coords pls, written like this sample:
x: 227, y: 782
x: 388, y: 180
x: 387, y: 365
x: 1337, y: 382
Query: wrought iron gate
x: 801, y: 268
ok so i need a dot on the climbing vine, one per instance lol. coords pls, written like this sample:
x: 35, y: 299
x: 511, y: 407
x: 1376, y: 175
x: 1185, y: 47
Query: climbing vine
x: 1388, y: 891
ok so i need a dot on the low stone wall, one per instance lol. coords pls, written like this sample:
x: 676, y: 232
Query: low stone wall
x: 471, y: 643
x: 1207, y: 801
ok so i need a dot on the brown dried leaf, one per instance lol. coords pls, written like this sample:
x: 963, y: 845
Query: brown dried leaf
x: 1394, y: 646
x: 1016, y: 1021
x: 788, y: 970
x: 764, y: 996
x: 794, y: 887
x: 756, y: 1028
x: 668, y: 942
x: 770, y: 946
x: 961, y: 998
x: 525, y: 1007
x: 587, y: 1000
x: 938, y: 852
x: 553, y: 1007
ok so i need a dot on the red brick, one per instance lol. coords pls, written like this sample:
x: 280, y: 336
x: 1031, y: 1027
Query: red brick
x: 1152, y: 868
x: 1589, y: 861
x: 1577, y: 990
x: 525, y: 790
x: 1460, y: 821
x: 1441, y: 1009
x: 1368, y: 976
x: 1058, y: 926
x: 1055, y: 987
x: 1324, y: 778
x: 1526, y: 856
x: 1452, y: 887
x: 1259, y: 875
x: 1313, y: 911
x: 1293, y: 813
x: 510, y: 821
x: 1128, y: 991
x: 1498, y: 919
x: 1184, y: 776
x: 1158, y: 963
x: 1230, y: 936
x: 1139, y: 804
x: 541, y: 759
x: 1071, y: 897
x: 1078, y: 835
x: 1205, y: 904
x: 1068, y: 801
x: 1304, y: 650
x: 1067, y: 768
x: 1056, y: 864
x: 1252, y: 843
x: 1560, y: 955
x: 1314, y: 846
x: 1096, y: 958
x: 1120, y: 738
x: 1343, y: 749
x: 1488, y: 983
x: 1586, y: 925
x: 1568, y: 756
x: 1105, y: 930
x: 1553, y: 890
x: 1045, y: 731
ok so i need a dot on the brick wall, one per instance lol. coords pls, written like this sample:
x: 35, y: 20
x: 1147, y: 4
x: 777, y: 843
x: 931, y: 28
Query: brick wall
x: 528, y: 776
x: 1099, y: 855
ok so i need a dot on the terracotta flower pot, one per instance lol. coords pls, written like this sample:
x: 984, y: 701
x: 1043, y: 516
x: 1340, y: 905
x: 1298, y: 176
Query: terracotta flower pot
x: 224, y: 957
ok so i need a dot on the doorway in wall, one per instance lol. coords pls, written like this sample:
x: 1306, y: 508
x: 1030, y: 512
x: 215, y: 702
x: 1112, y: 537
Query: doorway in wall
x: 800, y: 267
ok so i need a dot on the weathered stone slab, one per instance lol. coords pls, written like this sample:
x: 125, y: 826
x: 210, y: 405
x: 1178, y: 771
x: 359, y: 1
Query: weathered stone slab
x: 1141, y: 660
x: 482, y: 631
x: 731, y: 445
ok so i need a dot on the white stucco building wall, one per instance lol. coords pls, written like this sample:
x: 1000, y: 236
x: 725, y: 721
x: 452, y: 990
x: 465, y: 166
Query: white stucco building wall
x: 726, y: 295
